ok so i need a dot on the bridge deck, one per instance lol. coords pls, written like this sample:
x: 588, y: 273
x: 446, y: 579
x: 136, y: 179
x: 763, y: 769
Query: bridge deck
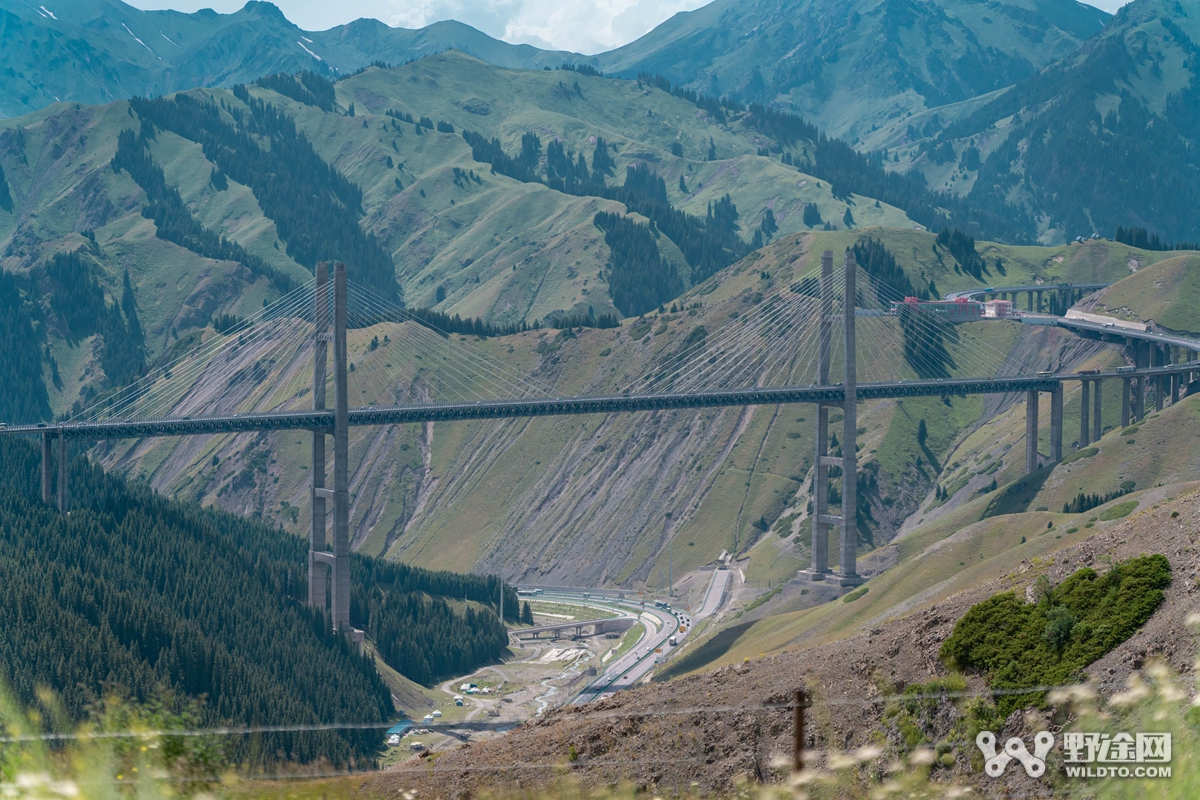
x: 507, y: 409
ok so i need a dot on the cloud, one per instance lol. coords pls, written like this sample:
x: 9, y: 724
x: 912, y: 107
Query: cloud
x: 585, y: 26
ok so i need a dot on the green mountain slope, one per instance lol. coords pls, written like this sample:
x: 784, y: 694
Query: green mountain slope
x: 584, y: 499
x: 854, y: 68
x: 131, y: 592
x: 1103, y: 138
x: 95, y: 51
x: 453, y: 229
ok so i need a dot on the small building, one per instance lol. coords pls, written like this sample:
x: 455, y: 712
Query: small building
x: 436, y: 714
x: 959, y: 310
x: 1000, y: 309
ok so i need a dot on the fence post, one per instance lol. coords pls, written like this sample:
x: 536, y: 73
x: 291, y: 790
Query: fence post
x: 799, y: 705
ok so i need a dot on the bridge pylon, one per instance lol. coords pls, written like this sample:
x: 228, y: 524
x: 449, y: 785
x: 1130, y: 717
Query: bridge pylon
x: 847, y: 520
x: 324, y: 564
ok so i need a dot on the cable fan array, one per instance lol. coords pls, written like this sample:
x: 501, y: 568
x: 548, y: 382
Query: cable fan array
x: 263, y: 364
x: 776, y: 343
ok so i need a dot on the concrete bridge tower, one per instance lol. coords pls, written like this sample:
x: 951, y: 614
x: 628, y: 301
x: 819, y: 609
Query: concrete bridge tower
x: 323, y: 564
x: 847, y: 521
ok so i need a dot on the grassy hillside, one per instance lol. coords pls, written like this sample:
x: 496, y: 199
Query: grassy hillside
x: 891, y: 60
x: 502, y: 249
x: 980, y: 535
x: 1167, y: 292
x: 1100, y: 139
x: 590, y: 498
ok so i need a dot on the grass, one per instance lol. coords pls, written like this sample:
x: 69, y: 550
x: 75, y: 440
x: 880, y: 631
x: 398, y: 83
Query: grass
x: 1167, y: 292
x: 1119, y: 510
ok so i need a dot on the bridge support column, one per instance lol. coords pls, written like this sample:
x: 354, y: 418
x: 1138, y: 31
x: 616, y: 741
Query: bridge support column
x: 1126, y: 402
x: 1056, y: 424
x: 819, y: 567
x: 64, y: 460
x: 1039, y: 301
x: 1176, y: 379
x: 318, y: 570
x: 1085, y: 428
x: 1159, y: 359
x: 341, y: 455
x: 849, y: 575
x: 1097, y: 423
x: 47, y: 468
x: 1031, y: 431
x: 1029, y: 300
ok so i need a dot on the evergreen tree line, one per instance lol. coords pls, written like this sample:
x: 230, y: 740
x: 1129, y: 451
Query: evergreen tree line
x: 883, y: 270
x: 315, y: 209
x: 962, y: 247
x: 851, y: 172
x: 24, y: 398
x: 1086, y: 502
x: 576, y: 319
x: 924, y: 335
x: 583, y: 69
x: 1139, y: 238
x: 173, y: 221
x: 6, y: 203
x: 304, y: 87
x: 708, y: 245
x: 1089, y: 170
x: 443, y: 323
x: 424, y: 639
x: 639, y: 279
x: 77, y: 299
x: 164, y: 598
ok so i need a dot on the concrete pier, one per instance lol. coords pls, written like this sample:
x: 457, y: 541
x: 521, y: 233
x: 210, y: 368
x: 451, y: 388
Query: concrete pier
x: 47, y: 468
x: 1085, y: 427
x: 64, y: 496
x: 318, y: 570
x: 821, y: 519
x: 849, y: 575
x: 1126, y: 402
x: 340, y: 607
x: 1056, y: 424
x: 1031, y: 431
x: 1097, y: 419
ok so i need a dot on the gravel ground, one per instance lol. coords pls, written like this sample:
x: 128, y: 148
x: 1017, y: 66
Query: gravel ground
x: 715, y: 730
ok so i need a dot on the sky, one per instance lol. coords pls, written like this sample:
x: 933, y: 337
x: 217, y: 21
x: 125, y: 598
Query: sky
x: 581, y: 26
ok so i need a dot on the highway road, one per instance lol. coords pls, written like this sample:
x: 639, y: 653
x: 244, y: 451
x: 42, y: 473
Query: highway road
x: 716, y: 591
x: 629, y: 668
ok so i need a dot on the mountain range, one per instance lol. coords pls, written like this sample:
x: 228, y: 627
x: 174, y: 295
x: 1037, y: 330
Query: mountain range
x: 95, y: 51
x: 853, y: 67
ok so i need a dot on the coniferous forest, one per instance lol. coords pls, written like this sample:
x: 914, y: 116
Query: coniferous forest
x: 163, y: 598
x: 314, y: 207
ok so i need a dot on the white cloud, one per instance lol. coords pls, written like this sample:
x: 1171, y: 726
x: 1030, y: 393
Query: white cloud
x: 584, y: 26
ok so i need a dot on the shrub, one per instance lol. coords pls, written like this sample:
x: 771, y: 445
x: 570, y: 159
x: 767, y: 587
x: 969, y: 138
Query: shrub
x: 1019, y: 645
x: 1118, y: 511
x: 857, y: 593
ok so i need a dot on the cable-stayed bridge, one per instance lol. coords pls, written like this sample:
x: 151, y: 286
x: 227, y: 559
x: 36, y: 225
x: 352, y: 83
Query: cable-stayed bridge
x: 804, y: 343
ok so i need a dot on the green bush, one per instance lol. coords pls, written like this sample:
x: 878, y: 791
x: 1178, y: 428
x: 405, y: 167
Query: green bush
x: 1020, y: 645
x: 857, y: 593
x: 1118, y: 511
